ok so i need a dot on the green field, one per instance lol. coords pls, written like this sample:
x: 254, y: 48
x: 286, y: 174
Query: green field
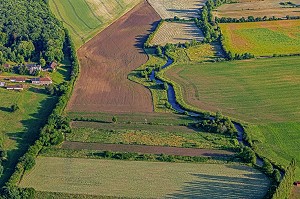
x: 145, y: 179
x: 261, y: 92
x: 262, y: 38
x: 277, y: 141
x: 19, y: 129
x: 179, y: 138
x: 85, y: 18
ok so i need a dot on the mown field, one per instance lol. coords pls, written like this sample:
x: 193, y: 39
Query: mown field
x: 278, y: 141
x: 85, y: 18
x: 145, y: 179
x: 258, y: 8
x: 262, y: 38
x: 182, y: 9
x: 261, y: 91
x: 19, y: 129
x: 172, y: 32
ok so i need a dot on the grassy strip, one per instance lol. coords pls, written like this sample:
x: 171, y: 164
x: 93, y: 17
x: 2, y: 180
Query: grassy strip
x: 59, y: 195
x: 95, y: 154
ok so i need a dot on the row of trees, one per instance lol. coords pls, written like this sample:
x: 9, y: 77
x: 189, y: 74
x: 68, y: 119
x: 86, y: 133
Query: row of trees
x: 28, y: 31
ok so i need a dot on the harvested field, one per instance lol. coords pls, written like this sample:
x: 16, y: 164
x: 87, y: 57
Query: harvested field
x: 107, y: 59
x: 87, y: 17
x: 262, y: 38
x: 258, y: 8
x: 295, y: 193
x: 145, y: 179
x: 181, y: 8
x: 146, y: 149
x: 172, y: 32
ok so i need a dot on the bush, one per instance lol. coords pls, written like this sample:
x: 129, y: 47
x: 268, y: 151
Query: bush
x: 267, y: 167
x: 247, y: 155
x: 14, y: 107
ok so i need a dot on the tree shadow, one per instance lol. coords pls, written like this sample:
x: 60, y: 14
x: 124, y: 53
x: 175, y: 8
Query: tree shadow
x: 211, y: 186
x: 28, y: 136
x: 5, y: 109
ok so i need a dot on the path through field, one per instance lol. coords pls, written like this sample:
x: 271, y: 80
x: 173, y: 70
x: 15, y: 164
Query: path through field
x: 146, y: 149
x: 107, y: 59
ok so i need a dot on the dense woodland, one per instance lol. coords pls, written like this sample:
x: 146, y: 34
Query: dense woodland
x: 29, y: 32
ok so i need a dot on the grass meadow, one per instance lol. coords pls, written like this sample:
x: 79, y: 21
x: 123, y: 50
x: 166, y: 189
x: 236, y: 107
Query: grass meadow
x: 145, y: 179
x: 262, y: 38
x: 183, y: 137
x: 85, y: 18
x: 19, y: 129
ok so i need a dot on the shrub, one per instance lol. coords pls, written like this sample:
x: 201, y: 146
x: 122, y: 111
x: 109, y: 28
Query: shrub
x: 14, y: 107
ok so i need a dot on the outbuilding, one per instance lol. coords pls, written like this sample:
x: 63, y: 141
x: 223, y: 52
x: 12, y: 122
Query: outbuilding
x: 17, y: 79
x: 297, y: 183
x: 41, y: 81
x: 15, y: 87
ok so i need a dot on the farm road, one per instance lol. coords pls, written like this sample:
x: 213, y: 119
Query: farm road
x: 146, y: 149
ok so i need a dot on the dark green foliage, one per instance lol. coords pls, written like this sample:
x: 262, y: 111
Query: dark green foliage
x: 50, y: 89
x: 247, y: 155
x: 14, y: 107
x: 28, y: 31
x: 276, y: 175
x: 114, y: 119
x: 159, y: 51
x: 267, y: 167
x: 28, y: 161
x: 165, y: 86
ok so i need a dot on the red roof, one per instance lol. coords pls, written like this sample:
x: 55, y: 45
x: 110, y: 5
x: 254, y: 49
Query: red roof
x: 42, y: 79
x: 19, y: 79
x: 20, y: 86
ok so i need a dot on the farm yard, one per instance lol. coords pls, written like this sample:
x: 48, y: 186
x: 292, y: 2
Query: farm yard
x: 179, y: 8
x: 145, y: 179
x: 86, y: 18
x: 262, y: 38
x: 170, y: 32
x: 108, y: 59
x: 258, y: 8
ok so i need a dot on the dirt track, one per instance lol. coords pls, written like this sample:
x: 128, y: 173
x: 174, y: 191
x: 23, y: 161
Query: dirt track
x: 107, y: 59
x: 146, y: 149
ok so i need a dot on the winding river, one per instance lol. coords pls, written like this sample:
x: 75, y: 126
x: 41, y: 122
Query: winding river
x: 180, y: 109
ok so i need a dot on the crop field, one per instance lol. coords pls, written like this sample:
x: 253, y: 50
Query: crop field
x: 85, y: 18
x: 19, y: 129
x: 177, y: 136
x: 180, y: 8
x: 145, y: 179
x: 278, y: 141
x: 262, y: 90
x: 107, y: 59
x: 172, y: 32
x: 258, y: 8
x: 262, y: 38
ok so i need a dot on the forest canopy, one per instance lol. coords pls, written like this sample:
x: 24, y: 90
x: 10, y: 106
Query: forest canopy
x: 29, y: 32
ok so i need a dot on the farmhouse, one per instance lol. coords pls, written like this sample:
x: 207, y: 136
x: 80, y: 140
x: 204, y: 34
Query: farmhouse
x: 41, y: 81
x: 297, y: 183
x: 17, y: 79
x: 15, y: 87
x: 32, y: 68
x: 53, y: 65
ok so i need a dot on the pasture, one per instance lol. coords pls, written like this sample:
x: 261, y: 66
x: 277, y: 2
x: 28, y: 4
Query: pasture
x: 85, y: 18
x: 262, y: 38
x: 259, y: 91
x: 107, y: 59
x: 172, y: 32
x: 258, y: 8
x: 145, y: 179
x: 278, y: 141
x: 19, y: 129
x: 180, y: 8
x: 151, y: 135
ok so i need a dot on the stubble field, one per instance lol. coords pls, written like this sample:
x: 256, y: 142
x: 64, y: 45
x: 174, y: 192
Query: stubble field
x: 258, y: 8
x: 145, y: 179
x: 180, y: 8
x: 107, y: 59
x: 87, y: 17
x: 262, y: 38
x: 170, y: 32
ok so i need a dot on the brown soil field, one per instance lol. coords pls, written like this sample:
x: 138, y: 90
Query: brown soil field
x: 146, y: 149
x: 176, y: 33
x: 295, y: 193
x: 107, y: 59
x: 258, y: 8
x: 181, y: 8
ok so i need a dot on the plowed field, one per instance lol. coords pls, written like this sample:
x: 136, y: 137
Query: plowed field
x: 107, y: 59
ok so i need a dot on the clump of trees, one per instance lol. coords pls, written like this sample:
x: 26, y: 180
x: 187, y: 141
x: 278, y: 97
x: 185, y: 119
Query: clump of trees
x: 219, y: 124
x: 247, y: 155
x: 29, y: 32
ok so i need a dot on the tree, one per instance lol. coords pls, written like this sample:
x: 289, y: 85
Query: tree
x: 159, y: 51
x: 248, y: 155
x: 1, y: 170
x: 276, y: 175
x: 50, y: 89
x: 42, y: 62
x: 267, y: 167
x: 114, y: 119
x: 3, y: 155
x: 166, y: 86
x: 14, y: 107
